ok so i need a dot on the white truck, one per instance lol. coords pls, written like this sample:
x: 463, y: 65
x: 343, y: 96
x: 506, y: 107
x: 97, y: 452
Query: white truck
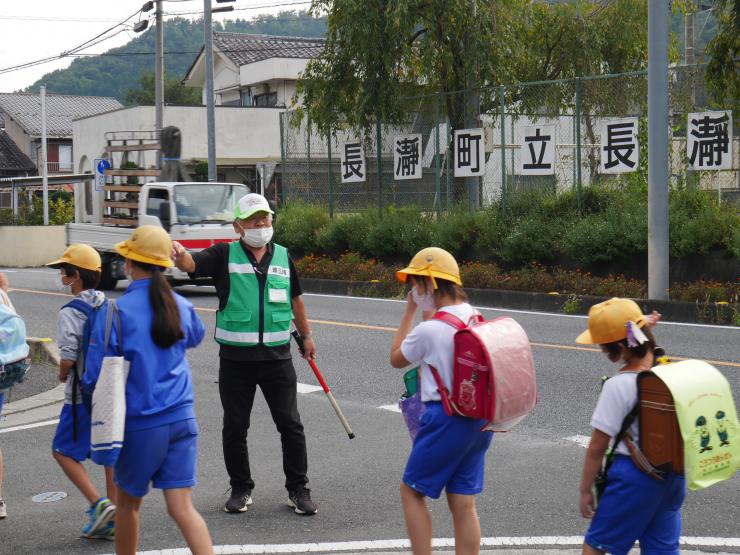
x: 197, y: 215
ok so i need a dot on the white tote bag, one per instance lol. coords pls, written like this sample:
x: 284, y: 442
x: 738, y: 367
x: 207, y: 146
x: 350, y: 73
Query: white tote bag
x: 109, y: 399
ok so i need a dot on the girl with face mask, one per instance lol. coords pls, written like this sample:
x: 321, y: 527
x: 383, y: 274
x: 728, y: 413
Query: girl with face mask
x: 448, y: 452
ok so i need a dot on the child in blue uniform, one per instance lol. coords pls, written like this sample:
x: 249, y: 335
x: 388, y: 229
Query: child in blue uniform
x: 80, y: 273
x: 448, y: 451
x: 633, y: 506
x: 160, y: 438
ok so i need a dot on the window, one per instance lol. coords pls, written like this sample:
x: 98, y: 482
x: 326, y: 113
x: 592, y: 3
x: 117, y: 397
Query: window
x: 156, y: 198
x: 246, y: 97
x: 268, y: 99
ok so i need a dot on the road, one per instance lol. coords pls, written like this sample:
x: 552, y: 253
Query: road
x: 532, y: 472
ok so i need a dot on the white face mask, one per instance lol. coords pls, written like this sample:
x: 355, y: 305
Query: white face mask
x: 425, y: 301
x: 257, y: 237
x: 63, y: 287
x: 128, y: 271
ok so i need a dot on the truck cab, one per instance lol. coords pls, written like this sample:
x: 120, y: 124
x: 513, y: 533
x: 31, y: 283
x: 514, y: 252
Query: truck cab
x: 197, y: 215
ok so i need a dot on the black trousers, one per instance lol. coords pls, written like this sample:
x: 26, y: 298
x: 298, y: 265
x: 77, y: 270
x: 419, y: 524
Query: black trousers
x: 237, y: 384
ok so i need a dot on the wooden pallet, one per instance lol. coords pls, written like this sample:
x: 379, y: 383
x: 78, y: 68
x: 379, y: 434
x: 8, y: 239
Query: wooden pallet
x: 133, y: 148
x: 133, y: 172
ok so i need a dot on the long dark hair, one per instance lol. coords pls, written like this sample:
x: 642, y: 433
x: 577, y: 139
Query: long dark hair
x: 166, y: 328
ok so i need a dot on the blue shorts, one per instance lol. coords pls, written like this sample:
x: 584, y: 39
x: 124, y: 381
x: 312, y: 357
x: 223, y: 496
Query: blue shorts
x: 64, y: 441
x: 164, y: 455
x: 2, y: 400
x: 448, y: 453
x: 635, y: 506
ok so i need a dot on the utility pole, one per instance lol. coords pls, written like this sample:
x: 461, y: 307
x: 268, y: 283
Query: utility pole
x: 210, y: 109
x: 44, y: 165
x: 658, y: 275
x: 472, y: 108
x: 159, y: 69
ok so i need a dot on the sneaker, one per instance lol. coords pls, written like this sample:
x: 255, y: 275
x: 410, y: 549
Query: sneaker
x: 3, y: 509
x: 300, y: 500
x: 239, y: 501
x: 99, y: 515
x: 107, y: 532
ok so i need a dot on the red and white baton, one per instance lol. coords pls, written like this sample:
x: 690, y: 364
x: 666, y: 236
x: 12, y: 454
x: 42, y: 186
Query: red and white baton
x: 324, y: 385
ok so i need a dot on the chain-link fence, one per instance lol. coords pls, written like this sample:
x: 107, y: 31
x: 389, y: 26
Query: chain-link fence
x: 574, y: 111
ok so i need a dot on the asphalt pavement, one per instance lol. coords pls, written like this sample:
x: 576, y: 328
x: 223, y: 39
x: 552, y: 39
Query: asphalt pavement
x: 530, y: 500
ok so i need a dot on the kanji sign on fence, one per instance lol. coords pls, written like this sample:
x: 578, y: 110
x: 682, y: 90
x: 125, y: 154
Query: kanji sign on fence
x: 620, y: 151
x: 470, y: 153
x: 407, y: 157
x: 538, y: 150
x: 353, y: 162
x: 708, y: 140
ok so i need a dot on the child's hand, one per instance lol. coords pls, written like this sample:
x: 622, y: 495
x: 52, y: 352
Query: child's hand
x: 4, y: 282
x: 652, y: 320
x: 410, y: 304
x: 63, y: 374
x: 588, y: 504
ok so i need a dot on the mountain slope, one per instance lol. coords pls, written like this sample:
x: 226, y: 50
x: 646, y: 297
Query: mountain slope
x: 120, y: 68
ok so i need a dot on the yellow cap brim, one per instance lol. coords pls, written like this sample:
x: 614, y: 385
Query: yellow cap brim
x: 585, y: 338
x: 61, y: 261
x: 127, y: 252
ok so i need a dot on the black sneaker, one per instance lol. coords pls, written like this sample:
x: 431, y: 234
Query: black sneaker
x: 301, y: 502
x: 239, y: 501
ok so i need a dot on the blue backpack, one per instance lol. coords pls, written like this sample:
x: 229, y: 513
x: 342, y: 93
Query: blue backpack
x: 13, y: 348
x: 90, y: 313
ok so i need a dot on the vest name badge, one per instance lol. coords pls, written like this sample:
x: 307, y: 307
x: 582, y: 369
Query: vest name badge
x: 277, y: 295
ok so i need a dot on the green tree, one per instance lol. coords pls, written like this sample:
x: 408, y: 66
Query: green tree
x: 174, y: 92
x: 723, y: 69
x: 380, y: 50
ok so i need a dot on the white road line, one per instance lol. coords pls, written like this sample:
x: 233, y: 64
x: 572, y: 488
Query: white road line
x: 28, y: 426
x: 515, y: 311
x: 308, y: 388
x: 392, y: 408
x: 375, y: 545
x: 583, y: 441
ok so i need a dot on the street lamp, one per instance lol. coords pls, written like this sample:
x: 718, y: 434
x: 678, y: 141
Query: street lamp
x: 210, y: 108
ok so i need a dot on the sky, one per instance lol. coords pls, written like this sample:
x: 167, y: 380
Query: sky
x: 36, y: 29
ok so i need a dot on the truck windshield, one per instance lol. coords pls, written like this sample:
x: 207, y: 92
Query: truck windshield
x: 212, y: 203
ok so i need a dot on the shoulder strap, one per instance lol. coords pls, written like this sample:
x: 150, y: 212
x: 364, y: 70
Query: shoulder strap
x: 81, y: 306
x: 626, y: 423
x: 450, y: 319
x: 111, y: 314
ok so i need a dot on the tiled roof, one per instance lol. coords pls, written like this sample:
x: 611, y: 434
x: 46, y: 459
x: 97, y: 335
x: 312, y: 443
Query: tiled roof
x: 12, y: 158
x: 245, y: 49
x: 25, y: 109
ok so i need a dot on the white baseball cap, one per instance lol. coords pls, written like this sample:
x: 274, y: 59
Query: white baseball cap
x: 250, y: 204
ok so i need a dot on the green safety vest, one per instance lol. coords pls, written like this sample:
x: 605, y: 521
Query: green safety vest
x: 238, y: 324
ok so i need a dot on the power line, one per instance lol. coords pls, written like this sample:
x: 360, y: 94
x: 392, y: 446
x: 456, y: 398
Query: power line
x: 90, y: 42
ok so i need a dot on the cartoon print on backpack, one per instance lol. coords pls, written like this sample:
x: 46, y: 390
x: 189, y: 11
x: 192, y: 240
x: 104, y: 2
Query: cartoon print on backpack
x: 721, y: 427
x: 701, y: 435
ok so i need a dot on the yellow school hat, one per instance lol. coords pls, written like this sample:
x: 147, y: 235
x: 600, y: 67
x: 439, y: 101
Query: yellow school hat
x: 607, y: 321
x: 432, y: 262
x: 148, y: 244
x: 82, y: 256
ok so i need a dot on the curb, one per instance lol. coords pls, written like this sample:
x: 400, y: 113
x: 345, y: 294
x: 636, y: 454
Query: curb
x: 675, y: 311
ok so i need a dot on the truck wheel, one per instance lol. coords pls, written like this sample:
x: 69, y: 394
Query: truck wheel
x: 107, y: 281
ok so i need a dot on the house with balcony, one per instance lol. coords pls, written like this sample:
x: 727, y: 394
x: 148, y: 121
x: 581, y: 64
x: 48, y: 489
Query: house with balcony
x: 254, y: 70
x: 21, y: 115
x: 254, y: 81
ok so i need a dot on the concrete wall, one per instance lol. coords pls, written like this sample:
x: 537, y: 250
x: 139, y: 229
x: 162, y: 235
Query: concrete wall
x: 31, y: 246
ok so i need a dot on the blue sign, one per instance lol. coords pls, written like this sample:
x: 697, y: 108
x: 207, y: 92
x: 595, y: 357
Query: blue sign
x: 101, y: 164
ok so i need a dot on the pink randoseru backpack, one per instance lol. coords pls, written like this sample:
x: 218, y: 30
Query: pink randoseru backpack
x: 493, y: 375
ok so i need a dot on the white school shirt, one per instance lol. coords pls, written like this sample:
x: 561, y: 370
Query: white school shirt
x: 432, y: 342
x: 618, y: 397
